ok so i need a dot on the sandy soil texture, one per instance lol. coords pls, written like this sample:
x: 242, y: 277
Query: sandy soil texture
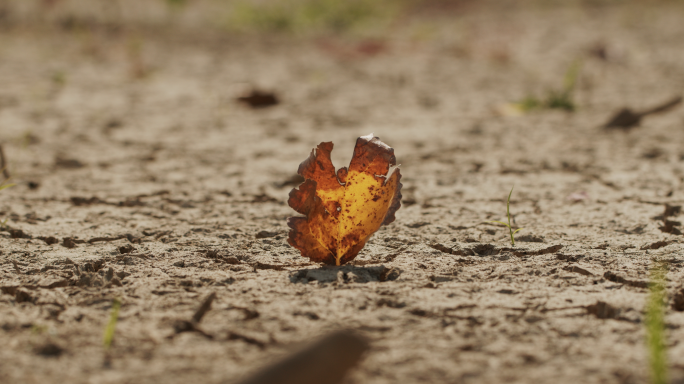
x: 140, y: 178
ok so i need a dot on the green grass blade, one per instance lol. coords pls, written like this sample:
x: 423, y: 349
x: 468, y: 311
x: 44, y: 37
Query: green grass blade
x: 655, y: 325
x: 111, y: 326
x: 571, y: 77
x: 516, y: 231
x: 6, y: 186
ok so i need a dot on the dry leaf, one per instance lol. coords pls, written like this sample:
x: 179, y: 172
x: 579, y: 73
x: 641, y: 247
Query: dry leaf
x: 326, y: 361
x: 344, y: 208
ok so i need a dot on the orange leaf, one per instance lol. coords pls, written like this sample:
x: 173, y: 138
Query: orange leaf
x: 343, y: 209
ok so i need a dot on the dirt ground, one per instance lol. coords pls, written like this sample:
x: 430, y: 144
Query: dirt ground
x: 140, y: 178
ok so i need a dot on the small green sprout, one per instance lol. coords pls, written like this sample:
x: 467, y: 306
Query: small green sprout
x: 563, y: 99
x: 3, y: 186
x: 529, y: 103
x: 2, y: 183
x: 111, y: 326
x: 58, y: 78
x: 508, y: 214
x: 556, y: 99
x: 655, y: 325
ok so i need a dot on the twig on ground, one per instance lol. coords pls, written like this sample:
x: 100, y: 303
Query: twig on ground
x: 204, y: 308
x: 192, y: 325
x: 626, y: 118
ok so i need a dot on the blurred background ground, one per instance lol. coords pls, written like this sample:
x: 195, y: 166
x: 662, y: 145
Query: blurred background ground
x: 140, y: 177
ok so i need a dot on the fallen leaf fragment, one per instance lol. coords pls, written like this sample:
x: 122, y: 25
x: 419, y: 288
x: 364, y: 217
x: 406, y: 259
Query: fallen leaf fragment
x: 259, y: 99
x: 343, y: 209
x: 326, y: 361
x: 577, y: 197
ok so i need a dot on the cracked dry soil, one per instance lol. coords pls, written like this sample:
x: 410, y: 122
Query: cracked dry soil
x: 162, y: 190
